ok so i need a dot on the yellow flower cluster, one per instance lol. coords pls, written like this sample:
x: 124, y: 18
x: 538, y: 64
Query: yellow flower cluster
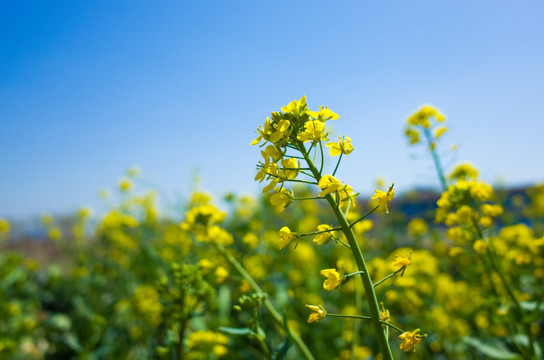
x: 295, y: 125
x: 420, y: 121
x: 203, y: 220
x: 206, y: 341
x: 146, y: 302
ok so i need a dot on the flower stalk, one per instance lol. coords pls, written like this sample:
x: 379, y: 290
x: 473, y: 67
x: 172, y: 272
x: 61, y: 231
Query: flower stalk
x: 359, y: 259
x: 278, y: 318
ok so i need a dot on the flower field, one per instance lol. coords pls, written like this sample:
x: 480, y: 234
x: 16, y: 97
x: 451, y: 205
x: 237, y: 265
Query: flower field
x: 309, y: 269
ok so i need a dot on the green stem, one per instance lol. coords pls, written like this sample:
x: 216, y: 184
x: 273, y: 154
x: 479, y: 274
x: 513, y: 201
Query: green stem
x: 364, y: 216
x: 292, y: 180
x: 337, y: 164
x: 341, y: 242
x: 362, y: 317
x: 267, y: 303
x: 436, y: 160
x: 350, y: 316
x: 508, y: 288
x: 353, y: 274
x: 319, y: 232
x: 388, y: 276
x: 308, y: 198
x: 356, y: 324
x: 359, y: 259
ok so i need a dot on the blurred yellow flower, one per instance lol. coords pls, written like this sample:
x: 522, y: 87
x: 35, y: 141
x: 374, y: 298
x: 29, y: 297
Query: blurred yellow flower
x: 4, y: 226
x: 221, y: 274
x: 401, y: 262
x: 125, y: 185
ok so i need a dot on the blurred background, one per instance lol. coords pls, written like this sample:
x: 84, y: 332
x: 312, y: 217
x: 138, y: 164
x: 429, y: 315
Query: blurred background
x: 90, y: 89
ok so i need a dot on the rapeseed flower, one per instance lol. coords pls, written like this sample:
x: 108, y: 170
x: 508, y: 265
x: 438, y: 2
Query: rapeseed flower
x: 384, y: 197
x: 4, y: 226
x: 323, y: 114
x: 318, y: 313
x: 328, y: 184
x: 324, y: 237
x: 296, y: 107
x: 281, y: 199
x: 221, y: 274
x: 264, y: 133
x: 343, y: 146
x: 282, y: 130
x: 334, y: 279
x: 413, y: 135
x: 438, y: 132
x: 410, y: 340
x: 314, y: 130
x: 286, y: 236
x: 401, y: 262
x: 421, y: 117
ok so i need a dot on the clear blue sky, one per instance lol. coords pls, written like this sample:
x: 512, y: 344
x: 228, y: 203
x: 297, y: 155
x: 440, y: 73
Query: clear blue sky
x: 89, y: 88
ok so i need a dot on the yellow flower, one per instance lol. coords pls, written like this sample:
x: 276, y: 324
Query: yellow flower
x: 347, y: 196
x: 385, y: 315
x: 290, y: 168
x: 417, y: 227
x: 281, y: 199
x: 481, y: 191
x: 341, y: 147
x: 464, y: 172
x: 54, y: 233
x: 384, y: 197
x: 318, y: 313
x: 491, y: 210
x: 313, y: 130
x: 438, y: 132
x: 410, y: 340
x: 323, y: 114
x: 328, y: 184
x: 4, y: 226
x: 263, y: 133
x: 479, y: 246
x: 334, y: 279
x: 125, y: 185
x: 454, y: 251
x: 205, y: 265
x: 282, y: 130
x: 221, y: 274
x: 323, y: 238
x: 286, y: 236
x: 401, y: 262
x: 413, y: 135
x: 267, y: 168
x: 421, y: 117
x: 296, y: 107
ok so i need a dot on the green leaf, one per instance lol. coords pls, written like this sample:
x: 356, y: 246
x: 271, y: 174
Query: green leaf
x: 236, y: 331
x: 282, y: 352
x: 495, y: 350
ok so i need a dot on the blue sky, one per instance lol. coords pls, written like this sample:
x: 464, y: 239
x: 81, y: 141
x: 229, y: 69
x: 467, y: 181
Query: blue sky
x: 90, y: 88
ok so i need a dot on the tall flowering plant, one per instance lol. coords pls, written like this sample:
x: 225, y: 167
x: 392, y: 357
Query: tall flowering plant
x: 292, y: 142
